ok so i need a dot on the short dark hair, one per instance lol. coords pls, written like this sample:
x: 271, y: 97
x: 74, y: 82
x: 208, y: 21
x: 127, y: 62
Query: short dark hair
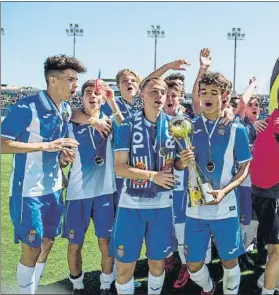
x: 175, y: 85
x: 215, y: 78
x: 88, y: 83
x: 61, y: 63
x: 175, y: 76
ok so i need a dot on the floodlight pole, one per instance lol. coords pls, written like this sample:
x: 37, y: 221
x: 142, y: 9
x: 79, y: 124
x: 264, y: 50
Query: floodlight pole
x: 155, y: 32
x: 235, y: 35
x: 74, y: 31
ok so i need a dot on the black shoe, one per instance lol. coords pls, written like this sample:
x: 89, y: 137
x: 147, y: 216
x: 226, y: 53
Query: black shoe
x: 105, y: 292
x: 78, y: 292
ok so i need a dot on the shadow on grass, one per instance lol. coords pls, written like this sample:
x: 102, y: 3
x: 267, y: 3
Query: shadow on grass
x: 92, y: 282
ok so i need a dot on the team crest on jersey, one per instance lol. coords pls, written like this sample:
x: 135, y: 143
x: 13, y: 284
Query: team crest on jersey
x: 140, y: 165
x: 221, y: 130
x: 185, y: 250
x: 72, y: 234
x: 31, y: 236
x: 120, y: 252
x: 168, y: 165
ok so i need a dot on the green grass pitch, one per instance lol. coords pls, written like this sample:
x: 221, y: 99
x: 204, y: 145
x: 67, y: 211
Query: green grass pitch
x: 55, y: 278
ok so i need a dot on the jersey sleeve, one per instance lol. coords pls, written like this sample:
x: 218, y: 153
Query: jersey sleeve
x: 122, y: 136
x: 106, y: 110
x: 241, y: 148
x: 18, y: 119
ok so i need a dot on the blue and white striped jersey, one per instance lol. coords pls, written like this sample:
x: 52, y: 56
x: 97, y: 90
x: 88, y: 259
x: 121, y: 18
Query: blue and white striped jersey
x: 36, y: 119
x: 229, y: 147
x: 87, y: 179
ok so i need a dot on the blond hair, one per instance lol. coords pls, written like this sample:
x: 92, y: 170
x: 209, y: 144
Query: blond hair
x: 126, y: 72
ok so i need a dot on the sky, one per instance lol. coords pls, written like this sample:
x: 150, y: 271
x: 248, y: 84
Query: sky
x: 115, y: 37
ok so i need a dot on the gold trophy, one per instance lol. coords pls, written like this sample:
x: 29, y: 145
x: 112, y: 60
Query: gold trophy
x: 181, y: 128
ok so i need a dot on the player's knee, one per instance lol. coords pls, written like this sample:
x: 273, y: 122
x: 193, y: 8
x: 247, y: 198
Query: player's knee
x: 103, y: 243
x: 195, y: 266
x: 74, y: 249
x: 156, y: 267
x: 273, y: 251
x: 29, y: 255
x: 228, y: 264
x: 125, y: 271
x: 47, y: 243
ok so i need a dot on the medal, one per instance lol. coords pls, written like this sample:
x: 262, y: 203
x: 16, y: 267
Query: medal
x: 99, y: 161
x: 163, y: 152
x: 221, y: 130
x: 210, y: 166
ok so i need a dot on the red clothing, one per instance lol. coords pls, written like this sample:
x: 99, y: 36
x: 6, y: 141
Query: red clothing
x: 265, y: 163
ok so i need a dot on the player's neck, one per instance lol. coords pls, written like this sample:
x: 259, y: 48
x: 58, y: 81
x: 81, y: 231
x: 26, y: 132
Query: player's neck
x: 129, y: 99
x: 213, y: 116
x: 92, y: 113
x: 54, y: 96
x: 151, y: 115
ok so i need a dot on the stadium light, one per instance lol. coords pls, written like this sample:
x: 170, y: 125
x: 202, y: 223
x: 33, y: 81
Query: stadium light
x: 235, y: 35
x: 74, y: 30
x: 155, y: 32
x: 2, y: 31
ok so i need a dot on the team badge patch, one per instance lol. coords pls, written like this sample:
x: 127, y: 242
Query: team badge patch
x: 221, y: 130
x: 185, y: 250
x: 72, y: 234
x: 140, y: 165
x: 120, y: 251
x: 31, y: 236
x: 168, y: 165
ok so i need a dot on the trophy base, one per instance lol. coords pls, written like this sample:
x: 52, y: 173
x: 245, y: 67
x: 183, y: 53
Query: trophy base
x: 200, y: 196
x: 206, y: 187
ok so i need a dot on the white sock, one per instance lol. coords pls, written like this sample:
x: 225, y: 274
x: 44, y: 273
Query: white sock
x: 266, y: 291
x: 208, y: 255
x: 106, y: 280
x: 40, y: 267
x: 78, y: 283
x: 231, y: 280
x: 127, y: 288
x: 202, y: 278
x: 155, y: 284
x: 25, y: 278
x: 179, y: 232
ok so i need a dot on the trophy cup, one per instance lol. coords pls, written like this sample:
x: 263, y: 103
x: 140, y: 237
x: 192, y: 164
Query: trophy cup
x: 182, y: 128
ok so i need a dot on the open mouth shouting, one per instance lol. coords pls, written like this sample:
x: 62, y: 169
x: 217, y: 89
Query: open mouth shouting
x: 130, y: 89
x: 208, y: 104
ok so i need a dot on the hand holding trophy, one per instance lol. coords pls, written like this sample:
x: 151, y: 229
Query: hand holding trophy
x: 182, y: 128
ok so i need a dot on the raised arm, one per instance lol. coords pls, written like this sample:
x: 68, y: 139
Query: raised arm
x: 245, y: 98
x: 176, y: 65
x: 205, y: 62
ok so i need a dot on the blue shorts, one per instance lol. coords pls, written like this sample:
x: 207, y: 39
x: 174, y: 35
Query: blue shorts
x: 79, y: 212
x: 35, y: 218
x: 179, y: 206
x: 226, y: 234
x: 133, y: 225
x: 245, y: 204
x: 119, y: 187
